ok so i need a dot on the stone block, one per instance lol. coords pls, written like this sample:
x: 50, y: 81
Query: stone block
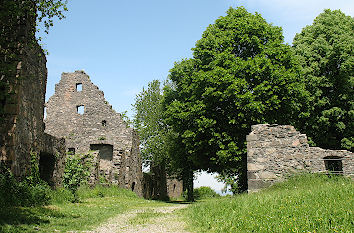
x: 254, y: 167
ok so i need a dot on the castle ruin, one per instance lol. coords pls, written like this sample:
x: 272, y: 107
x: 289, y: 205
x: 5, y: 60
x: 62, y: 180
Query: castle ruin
x: 276, y: 151
x: 79, y: 112
x: 22, y: 87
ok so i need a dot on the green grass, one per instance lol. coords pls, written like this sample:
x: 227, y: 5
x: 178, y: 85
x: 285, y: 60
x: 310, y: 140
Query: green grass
x: 307, y: 203
x: 95, y: 207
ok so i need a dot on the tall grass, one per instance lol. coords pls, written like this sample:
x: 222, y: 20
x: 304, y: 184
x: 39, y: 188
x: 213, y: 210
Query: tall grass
x: 95, y: 206
x: 306, y: 203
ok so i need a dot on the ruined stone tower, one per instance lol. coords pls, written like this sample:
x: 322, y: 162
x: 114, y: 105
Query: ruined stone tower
x: 79, y: 112
x: 23, y: 78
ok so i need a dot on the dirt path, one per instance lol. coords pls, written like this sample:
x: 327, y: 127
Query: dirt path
x: 147, y: 220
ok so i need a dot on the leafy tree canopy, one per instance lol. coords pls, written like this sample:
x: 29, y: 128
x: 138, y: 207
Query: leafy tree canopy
x: 325, y: 50
x: 148, y: 121
x: 241, y: 74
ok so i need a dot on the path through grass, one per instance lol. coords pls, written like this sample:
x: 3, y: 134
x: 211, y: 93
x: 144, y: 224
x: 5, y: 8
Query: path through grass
x: 96, y: 207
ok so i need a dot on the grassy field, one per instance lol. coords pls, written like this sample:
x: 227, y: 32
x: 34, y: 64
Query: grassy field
x: 309, y: 203
x: 96, y: 206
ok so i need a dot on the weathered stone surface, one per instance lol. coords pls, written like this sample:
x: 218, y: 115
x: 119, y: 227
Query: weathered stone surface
x: 275, y: 151
x: 159, y: 186
x: 23, y: 83
x: 55, y: 148
x: 98, y: 127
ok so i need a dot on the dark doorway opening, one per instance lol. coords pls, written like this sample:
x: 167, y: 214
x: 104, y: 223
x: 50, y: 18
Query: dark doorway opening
x: 46, y: 167
x: 133, y: 186
x: 334, y: 165
x: 106, y: 150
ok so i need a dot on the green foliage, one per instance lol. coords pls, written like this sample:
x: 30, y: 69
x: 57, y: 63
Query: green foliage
x: 204, y: 193
x: 230, y: 181
x: 310, y: 203
x: 49, y: 9
x: 241, y: 74
x: 149, y: 123
x: 126, y: 119
x: 325, y: 50
x: 77, y: 170
x: 22, y: 193
x: 34, y: 177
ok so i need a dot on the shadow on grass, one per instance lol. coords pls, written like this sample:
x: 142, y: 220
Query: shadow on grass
x: 14, y: 217
x: 179, y: 202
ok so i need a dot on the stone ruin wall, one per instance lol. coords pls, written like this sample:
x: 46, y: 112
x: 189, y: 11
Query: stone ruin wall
x: 25, y: 74
x: 275, y: 151
x: 158, y: 185
x: 174, y: 188
x: 99, y: 127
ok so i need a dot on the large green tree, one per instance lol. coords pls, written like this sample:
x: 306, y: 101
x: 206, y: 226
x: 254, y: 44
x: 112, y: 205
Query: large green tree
x: 325, y: 50
x: 241, y: 74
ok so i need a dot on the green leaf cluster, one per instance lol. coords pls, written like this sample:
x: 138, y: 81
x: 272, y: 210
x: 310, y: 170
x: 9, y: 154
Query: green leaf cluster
x: 325, y: 51
x: 149, y: 123
x: 76, y: 172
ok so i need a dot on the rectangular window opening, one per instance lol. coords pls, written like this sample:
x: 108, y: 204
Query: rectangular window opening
x: 106, y: 150
x: 80, y: 109
x: 45, y: 113
x: 78, y: 86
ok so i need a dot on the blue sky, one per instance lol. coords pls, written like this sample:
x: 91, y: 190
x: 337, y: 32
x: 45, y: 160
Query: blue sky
x: 122, y: 45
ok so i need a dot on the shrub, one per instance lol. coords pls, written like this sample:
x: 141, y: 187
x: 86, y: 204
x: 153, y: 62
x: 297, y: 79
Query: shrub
x: 22, y: 193
x: 204, y: 192
x: 77, y: 171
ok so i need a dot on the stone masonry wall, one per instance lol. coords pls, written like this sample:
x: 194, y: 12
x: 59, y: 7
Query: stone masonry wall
x: 54, y: 147
x: 23, y: 81
x: 98, y: 127
x: 275, y: 151
x: 159, y: 186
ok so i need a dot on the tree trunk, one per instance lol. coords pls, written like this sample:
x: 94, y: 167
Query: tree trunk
x: 188, y: 178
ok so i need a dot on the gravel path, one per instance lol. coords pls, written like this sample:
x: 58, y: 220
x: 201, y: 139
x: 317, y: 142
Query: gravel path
x: 163, y: 219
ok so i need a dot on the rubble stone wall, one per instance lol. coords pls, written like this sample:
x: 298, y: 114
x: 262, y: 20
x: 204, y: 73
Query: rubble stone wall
x: 275, y: 151
x: 98, y: 124
x: 159, y: 186
x: 56, y: 148
x: 23, y: 81
x: 174, y: 188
